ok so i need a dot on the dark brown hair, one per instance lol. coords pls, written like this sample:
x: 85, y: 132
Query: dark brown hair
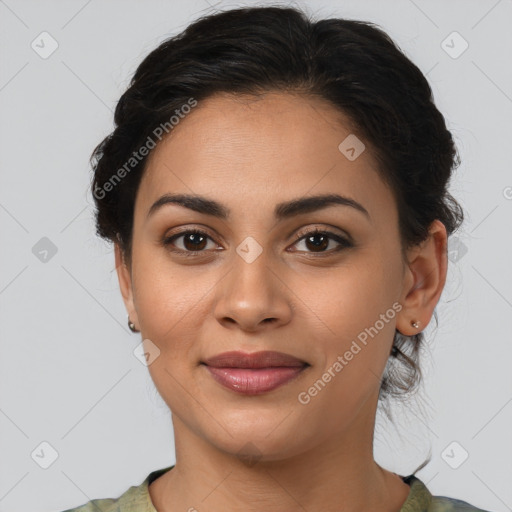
x: 352, y: 64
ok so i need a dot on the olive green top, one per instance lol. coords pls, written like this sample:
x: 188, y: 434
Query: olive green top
x: 137, y: 499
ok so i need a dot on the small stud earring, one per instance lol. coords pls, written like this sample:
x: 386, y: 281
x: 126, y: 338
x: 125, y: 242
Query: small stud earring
x: 131, y: 325
x: 415, y: 324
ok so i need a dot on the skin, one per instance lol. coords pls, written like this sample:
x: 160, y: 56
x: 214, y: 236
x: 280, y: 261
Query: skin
x: 250, y: 154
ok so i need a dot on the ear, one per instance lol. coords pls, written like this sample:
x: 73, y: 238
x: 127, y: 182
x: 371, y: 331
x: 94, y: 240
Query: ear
x: 125, y: 284
x: 424, y: 280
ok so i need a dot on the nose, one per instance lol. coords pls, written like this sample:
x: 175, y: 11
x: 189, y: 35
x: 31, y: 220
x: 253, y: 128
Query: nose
x: 253, y: 297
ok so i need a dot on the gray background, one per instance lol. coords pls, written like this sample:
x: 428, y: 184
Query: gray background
x: 68, y: 376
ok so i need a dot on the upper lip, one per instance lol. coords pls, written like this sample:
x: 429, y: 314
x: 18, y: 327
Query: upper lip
x: 264, y: 359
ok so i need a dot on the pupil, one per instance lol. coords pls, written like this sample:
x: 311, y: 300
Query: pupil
x: 322, y: 244
x: 192, y: 238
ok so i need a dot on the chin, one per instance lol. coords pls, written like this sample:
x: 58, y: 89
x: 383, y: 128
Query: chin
x: 258, y: 437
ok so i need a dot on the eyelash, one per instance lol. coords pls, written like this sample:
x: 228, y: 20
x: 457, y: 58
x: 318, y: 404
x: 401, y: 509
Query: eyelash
x: 344, y: 243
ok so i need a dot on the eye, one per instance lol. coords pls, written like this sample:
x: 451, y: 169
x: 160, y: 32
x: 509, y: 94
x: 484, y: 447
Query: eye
x: 194, y: 241
x: 319, y: 240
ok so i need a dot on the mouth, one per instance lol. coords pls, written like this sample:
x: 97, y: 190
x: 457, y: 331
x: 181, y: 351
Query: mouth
x: 254, y: 373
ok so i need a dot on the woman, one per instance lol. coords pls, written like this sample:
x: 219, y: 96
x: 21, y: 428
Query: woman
x: 277, y: 193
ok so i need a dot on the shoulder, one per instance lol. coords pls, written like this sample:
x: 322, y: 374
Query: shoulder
x: 130, y: 500
x: 135, y: 499
x: 99, y: 505
x: 445, y: 504
x: 421, y: 500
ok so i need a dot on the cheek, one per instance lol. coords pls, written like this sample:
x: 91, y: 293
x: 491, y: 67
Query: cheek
x: 168, y: 300
x: 350, y: 298
x: 165, y: 291
x: 354, y: 310
x: 168, y: 303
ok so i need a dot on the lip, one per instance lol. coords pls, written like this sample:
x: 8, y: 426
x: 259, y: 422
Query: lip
x: 254, y: 373
x: 263, y: 359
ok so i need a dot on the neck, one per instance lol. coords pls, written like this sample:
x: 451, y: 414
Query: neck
x: 339, y: 473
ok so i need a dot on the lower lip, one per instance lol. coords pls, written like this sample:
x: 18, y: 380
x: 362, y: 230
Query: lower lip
x: 254, y: 381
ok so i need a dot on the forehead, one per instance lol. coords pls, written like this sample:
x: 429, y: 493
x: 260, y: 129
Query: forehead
x: 243, y: 149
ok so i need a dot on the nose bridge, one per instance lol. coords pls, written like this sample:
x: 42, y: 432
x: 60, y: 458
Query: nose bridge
x: 251, y: 274
x: 250, y: 292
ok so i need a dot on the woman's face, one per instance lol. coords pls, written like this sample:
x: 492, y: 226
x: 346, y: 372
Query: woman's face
x: 257, y: 283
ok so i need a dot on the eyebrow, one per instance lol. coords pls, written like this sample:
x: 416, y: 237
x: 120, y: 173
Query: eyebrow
x: 282, y: 211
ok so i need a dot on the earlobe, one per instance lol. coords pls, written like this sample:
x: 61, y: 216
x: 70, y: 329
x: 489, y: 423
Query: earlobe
x: 425, y: 280
x: 125, y: 284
